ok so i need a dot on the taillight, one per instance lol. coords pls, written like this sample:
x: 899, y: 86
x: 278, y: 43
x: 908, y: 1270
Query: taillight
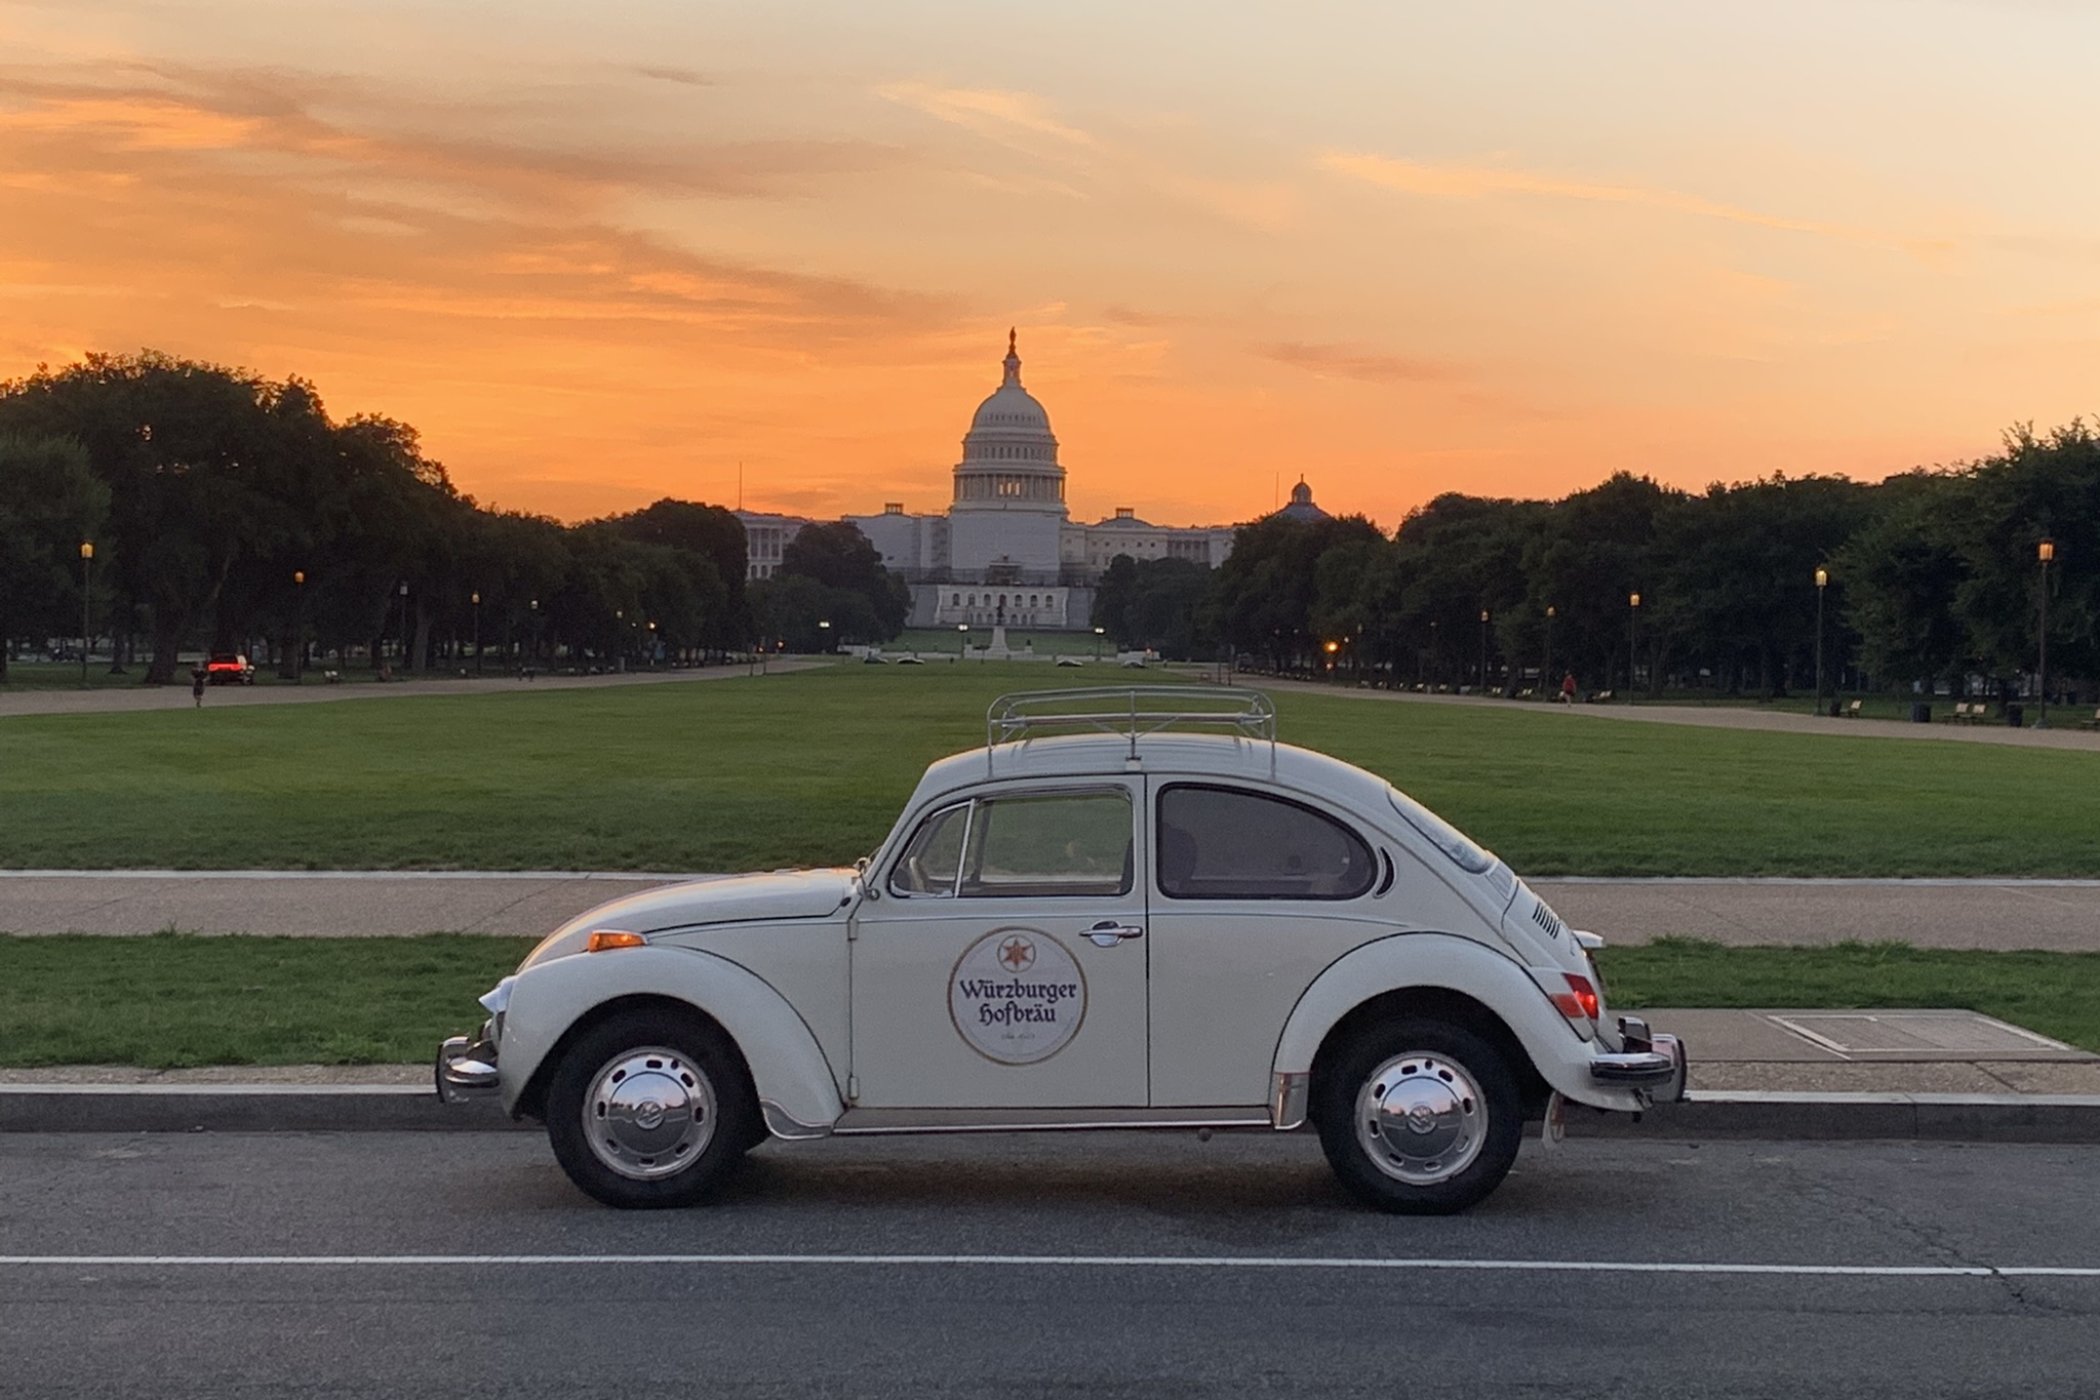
x: 1579, y: 1002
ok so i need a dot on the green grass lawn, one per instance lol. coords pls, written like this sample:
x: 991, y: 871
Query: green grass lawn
x: 173, y: 1000
x: 811, y: 767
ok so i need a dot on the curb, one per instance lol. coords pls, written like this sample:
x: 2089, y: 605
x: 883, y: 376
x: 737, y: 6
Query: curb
x: 238, y: 1108
x: 251, y: 1108
x: 1773, y: 1114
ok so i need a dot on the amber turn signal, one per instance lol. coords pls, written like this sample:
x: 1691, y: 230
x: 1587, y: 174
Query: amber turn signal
x: 605, y: 940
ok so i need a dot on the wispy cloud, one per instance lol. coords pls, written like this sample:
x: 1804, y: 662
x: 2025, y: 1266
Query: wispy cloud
x: 685, y: 77
x: 1348, y: 360
x: 990, y: 112
x: 1472, y: 182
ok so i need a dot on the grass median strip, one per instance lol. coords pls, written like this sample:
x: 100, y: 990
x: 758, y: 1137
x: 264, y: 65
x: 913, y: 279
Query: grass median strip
x: 174, y: 1001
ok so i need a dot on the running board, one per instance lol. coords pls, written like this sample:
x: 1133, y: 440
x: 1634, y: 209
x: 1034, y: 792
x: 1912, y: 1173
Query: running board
x: 871, y: 1121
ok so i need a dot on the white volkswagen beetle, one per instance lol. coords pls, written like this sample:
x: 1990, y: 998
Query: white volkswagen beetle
x: 1132, y: 908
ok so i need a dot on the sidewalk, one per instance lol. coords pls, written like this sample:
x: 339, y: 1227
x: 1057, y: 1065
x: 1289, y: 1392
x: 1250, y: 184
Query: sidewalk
x: 2056, y: 915
x: 127, y: 699
x: 2068, y: 736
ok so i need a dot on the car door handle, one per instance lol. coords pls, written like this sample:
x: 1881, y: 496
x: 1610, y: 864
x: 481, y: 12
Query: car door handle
x: 1108, y: 933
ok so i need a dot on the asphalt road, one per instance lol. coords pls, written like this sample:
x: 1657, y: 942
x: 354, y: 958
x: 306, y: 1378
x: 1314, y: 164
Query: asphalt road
x: 1114, y: 1265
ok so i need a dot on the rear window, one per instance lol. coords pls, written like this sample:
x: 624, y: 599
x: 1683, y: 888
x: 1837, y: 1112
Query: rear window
x: 1445, y: 837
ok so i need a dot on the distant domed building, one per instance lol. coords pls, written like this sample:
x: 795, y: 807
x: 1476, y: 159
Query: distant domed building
x: 1301, y: 507
x: 1006, y: 549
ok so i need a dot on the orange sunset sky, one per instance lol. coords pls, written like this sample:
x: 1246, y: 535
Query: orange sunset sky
x: 603, y: 253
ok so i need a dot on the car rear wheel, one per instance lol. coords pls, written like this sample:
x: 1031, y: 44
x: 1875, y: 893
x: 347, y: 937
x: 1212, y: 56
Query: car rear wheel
x: 650, y: 1108
x: 1419, y: 1116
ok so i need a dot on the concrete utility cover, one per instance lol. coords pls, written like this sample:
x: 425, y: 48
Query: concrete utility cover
x: 1952, y: 1034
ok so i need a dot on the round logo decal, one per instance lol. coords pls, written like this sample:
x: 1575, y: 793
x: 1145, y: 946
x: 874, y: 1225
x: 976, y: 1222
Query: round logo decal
x: 1017, y: 996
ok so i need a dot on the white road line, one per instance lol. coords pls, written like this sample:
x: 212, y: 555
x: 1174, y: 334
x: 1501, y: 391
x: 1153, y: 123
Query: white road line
x: 1039, y: 1261
x: 1978, y: 882
x: 620, y: 876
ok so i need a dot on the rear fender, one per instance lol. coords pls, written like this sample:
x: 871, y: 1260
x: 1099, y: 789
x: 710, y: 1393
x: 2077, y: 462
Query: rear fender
x: 787, y: 1066
x: 1439, y: 960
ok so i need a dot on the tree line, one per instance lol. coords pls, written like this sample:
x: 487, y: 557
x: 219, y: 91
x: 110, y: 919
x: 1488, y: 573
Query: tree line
x: 225, y: 508
x: 1932, y: 577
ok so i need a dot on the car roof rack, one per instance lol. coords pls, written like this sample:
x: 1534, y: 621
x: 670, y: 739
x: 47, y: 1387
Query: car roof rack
x: 1134, y: 712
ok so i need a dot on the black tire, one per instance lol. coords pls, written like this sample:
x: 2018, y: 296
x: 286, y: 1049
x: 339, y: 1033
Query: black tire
x: 699, y: 1052
x: 1449, y: 1055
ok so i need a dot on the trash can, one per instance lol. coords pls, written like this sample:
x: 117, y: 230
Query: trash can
x: 1920, y: 712
x: 2015, y: 714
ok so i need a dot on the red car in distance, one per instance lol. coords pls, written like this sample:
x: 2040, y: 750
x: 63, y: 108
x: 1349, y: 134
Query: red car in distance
x: 229, y: 668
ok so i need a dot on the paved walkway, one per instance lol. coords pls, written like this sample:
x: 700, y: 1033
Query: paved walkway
x: 2061, y: 915
x: 125, y: 699
x: 2070, y: 736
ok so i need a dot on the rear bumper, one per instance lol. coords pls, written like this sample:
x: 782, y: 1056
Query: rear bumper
x: 1653, y: 1065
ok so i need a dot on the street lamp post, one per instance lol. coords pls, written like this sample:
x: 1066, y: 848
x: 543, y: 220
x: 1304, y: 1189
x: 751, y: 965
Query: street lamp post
x: 1546, y: 668
x: 1822, y: 582
x: 1436, y: 655
x: 298, y: 626
x: 404, y: 626
x: 474, y: 606
x: 2046, y: 553
x: 534, y: 606
x: 87, y: 560
x: 1483, y: 651
x: 1098, y: 631
x: 824, y: 643
x: 1633, y: 655
x: 962, y: 641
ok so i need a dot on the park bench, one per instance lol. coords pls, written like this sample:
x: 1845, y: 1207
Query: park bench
x: 2093, y: 723
x: 1965, y: 713
x: 1600, y: 697
x: 1851, y: 711
x: 331, y: 677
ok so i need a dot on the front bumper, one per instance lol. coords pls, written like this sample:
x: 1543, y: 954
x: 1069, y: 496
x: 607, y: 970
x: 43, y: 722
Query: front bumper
x: 1651, y: 1064
x: 466, y: 1069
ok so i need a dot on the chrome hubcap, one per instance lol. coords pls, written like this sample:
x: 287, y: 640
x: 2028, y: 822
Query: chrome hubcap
x: 1421, y: 1118
x: 649, y: 1113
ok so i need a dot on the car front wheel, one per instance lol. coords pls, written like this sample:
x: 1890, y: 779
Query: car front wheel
x: 1420, y: 1116
x: 650, y: 1108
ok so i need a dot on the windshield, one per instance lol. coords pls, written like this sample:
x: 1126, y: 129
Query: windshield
x: 1445, y: 837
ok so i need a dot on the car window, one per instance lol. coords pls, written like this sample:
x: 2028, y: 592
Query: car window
x: 1227, y: 843
x: 1053, y: 844
x: 933, y: 859
x: 1445, y: 837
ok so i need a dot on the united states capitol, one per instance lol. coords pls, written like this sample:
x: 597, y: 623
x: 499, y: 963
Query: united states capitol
x: 1006, y: 549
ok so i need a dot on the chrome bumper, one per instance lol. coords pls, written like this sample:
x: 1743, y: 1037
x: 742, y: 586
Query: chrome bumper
x: 1653, y: 1064
x: 466, y: 1069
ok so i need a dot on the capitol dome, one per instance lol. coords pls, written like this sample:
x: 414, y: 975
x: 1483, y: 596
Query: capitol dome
x: 1010, y: 455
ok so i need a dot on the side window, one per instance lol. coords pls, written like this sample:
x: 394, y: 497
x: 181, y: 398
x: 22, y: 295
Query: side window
x: 931, y: 862
x: 1224, y: 843
x: 1067, y: 843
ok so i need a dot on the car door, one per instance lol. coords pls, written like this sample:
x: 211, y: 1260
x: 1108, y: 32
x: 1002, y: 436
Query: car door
x: 1002, y: 962
x: 1255, y: 892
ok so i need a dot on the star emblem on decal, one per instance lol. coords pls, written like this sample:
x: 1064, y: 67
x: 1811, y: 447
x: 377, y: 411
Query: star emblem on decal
x: 1017, y: 953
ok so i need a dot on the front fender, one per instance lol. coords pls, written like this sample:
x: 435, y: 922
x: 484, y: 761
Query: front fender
x: 1440, y: 960
x: 787, y: 1066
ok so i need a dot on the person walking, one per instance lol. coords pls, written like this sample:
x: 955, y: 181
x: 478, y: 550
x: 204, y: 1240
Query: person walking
x: 1567, y: 688
x: 197, y: 686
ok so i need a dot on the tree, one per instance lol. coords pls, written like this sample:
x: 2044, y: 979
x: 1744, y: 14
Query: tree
x: 709, y: 535
x: 838, y: 557
x: 1262, y: 601
x: 50, y: 501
